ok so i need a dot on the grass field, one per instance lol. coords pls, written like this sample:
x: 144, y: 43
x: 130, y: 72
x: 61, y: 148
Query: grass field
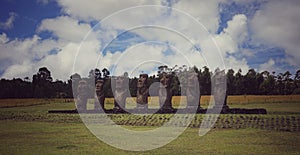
x: 29, y: 129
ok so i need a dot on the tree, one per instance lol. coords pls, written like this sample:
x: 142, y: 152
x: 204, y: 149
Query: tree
x: 250, y: 82
x: 205, y: 81
x: 97, y: 74
x: 287, y: 83
x: 26, y: 79
x: 280, y: 84
x: 297, y: 81
x: 230, y: 82
x: 42, y: 75
x: 267, y: 87
x: 239, y: 83
x: 162, y: 69
x: 42, y: 83
x: 105, y: 72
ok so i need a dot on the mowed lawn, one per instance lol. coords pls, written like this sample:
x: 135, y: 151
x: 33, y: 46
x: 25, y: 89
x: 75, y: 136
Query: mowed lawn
x: 31, y: 130
x: 70, y: 138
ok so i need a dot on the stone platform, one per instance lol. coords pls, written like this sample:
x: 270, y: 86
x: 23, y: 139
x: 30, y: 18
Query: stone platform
x: 159, y: 111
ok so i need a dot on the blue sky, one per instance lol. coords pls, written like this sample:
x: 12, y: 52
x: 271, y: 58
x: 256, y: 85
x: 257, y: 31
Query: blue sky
x: 29, y: 15
x: 33, y: 33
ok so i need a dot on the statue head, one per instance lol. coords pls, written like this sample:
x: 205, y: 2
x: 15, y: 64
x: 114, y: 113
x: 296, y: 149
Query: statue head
x: 142, y: 82
x: 166, y: 80
x: 219, y: 77
x: 99, y: 85
x: 82, y: 82
x: 192, y: 79
x: 121, y: 82
x: 82, y: 88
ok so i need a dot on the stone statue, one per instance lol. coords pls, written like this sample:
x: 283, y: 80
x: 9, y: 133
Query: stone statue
x: 165, y: 92
x: 82, y: 91
x: 100, y: 93
x: 219, y: 90
x: 142, y: 92
x: 192, y: 91
x: 120, y: 92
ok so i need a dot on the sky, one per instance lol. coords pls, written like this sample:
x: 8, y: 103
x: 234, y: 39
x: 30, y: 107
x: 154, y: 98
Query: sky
x: 137, y: 36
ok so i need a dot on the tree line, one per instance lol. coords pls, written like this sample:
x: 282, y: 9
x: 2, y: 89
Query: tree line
x: 42, y: 84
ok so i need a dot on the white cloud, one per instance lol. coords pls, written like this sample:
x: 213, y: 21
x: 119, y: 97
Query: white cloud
x: 206, y: 11
x: 3, y: 38
x: 65, y: 28
x: 18, y: 50
x: 99, y: 9
x: 56, y: 54
x: 23, y: 52
x: 168, y: 26
x: 133, y: 61
x: 233, y: 35
x: 62, y: 63
x: 70, y: 30
x: 237, y: 28
x: 236, y: 64
x: 268, y: 66
x: 25, y: 69
x: 26, y: 56
x: 9, y: 23
x: 278, y: 24
x: 228, y: 43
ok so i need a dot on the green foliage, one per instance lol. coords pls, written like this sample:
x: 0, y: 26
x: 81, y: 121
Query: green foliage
x: 31, y: 130
x: 296, y: 91
x: 252, y: 83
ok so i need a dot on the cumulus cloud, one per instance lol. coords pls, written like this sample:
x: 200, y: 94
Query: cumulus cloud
x: 233, y: 35
x: 206, y: 11
x: 278, y: 24
x: 68, y: 58
x: 26, y: 56
x: 175, y: 30
x: 57, y: 54
x: 19, y: 70
x: 15, y: 53
x: 267, y: 66
x: 65, y: 28
x: 3, y: 38
x: 18, y: 50
x: 228, y: 42
x: 174, y: 38
x: 9, y: 23
x: 99, y: 9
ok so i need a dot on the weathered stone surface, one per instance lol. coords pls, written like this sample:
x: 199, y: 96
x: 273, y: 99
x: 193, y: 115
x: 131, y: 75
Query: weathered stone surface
x: 100, y: 94
x: 82, y: 97
x: 142, y: 92
x: 120, y: 92
x: 165, y: 92
x: 219, y: 90
x: 192, y: 91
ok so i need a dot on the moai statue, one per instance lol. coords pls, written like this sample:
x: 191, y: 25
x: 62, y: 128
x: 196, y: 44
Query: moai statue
x: 100, y: 94
x: 219, y: 90
x: 120, y: 92
x: 142, y: 92
x: 192, y: 91
x: 165, y: 92
x: 82, y: 97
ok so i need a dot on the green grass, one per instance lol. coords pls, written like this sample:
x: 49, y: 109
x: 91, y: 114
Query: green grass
x: 31, y: 130
x: 69, y: 138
